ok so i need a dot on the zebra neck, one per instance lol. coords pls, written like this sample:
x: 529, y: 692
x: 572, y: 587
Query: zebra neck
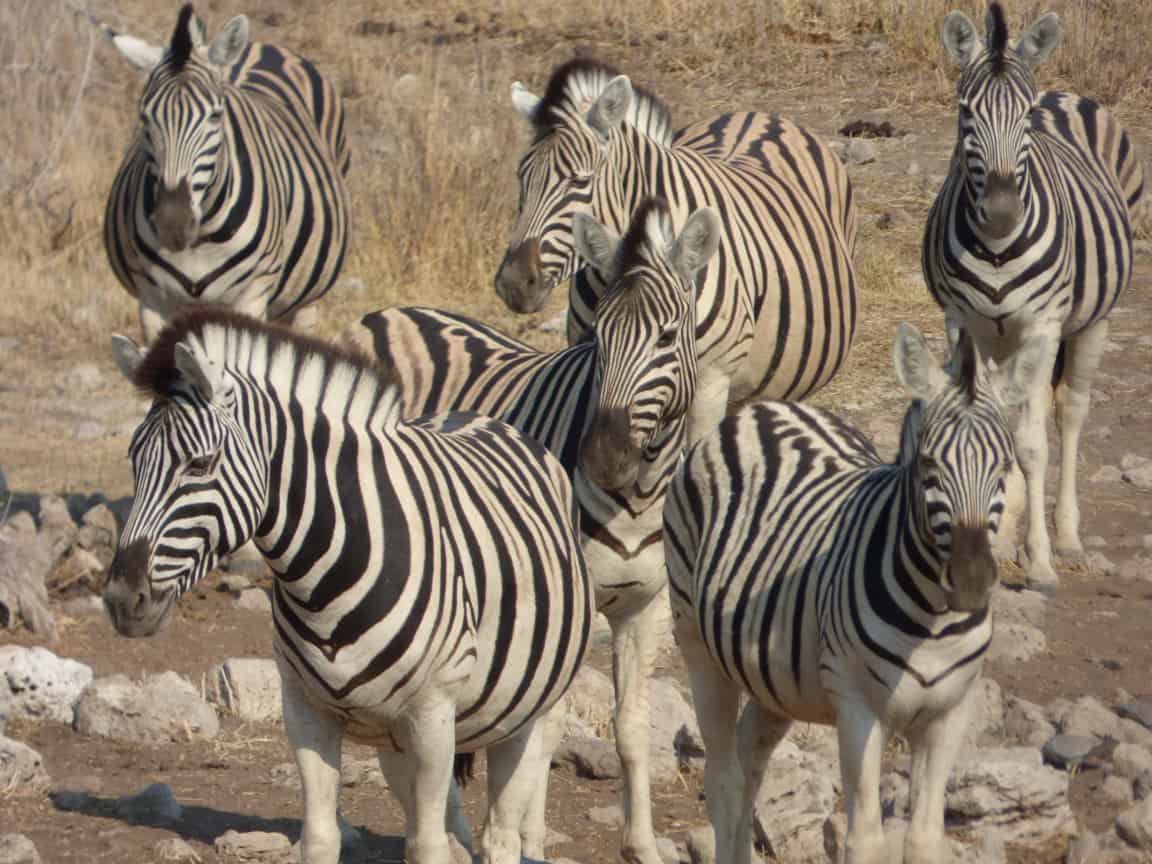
x: 661, y: 458
x: 219, y: 190
x: 636, y: 167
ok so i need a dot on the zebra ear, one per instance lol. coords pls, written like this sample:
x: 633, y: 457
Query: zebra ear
x: 524, y: 102
x: 610, y: 109
x: 959, y: 37
x: 1039, y: 40
x: 127, y: 355
x: 230, y: 44
x: 916, y: 367
x: 199, y: 371
x: 696, y: 243
x: 143, y: 55
x: 1024, y: 372
x: 595, y: 244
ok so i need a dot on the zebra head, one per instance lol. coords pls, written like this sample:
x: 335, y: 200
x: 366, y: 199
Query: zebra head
x: 574, y: 123
x: 182, y: 122
x: 996, y: 94
x: 957, y: 447
x: 198, y: 485
x: 645, y: 333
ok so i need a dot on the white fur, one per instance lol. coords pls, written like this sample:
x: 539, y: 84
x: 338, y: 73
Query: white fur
x: 143, y: 55
x: 233, y: 39
x: 523, y: 101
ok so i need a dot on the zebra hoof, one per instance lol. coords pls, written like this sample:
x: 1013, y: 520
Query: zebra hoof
x: 1048, y: 589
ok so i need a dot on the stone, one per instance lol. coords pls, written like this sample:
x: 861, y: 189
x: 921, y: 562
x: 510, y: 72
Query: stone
x: 668, y: 851
x: 1136, y: 569
x: 1106, y: 474
x: 1139, y: 710
x: 556, y: 324
x: 1097, y: 562
x: 56, y: 525
x: 985, y: 713
x: 1130, y: 461
x: 611, y: 815
x: 79, y: 569
x: 701, y: 843
x: 590, y: 758
x: 1084, y: 716
x: 233, y: 583
x: 1025, y: 722
x: 1142, y: 786
x: 36, y: 684
x: 592, y: 698
x: 1066, y: 751
x: 673, y: 733
x: 1018, y: 607
x: 163, y: 709
x: 153, y: 805
x: 24, y: 562
x: 353, y: 772
x: 252, y: 845
x: 1139, y: 477
x: 255, y: 600
x: 1135, y: 825
x: 795, y: 800
x: 248, y: 687
x: 21, y: 769
x: 1131, y: 760
x: 17, y: 849
x: 1117, y: 790
x: 175, y: 849
x: 99, y: 531
x: 859, y: 152
x: 1016, y: 642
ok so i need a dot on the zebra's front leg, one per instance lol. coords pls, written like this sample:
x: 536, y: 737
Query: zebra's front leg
x: 1082, y: 354
x: 935, y: 744
x: 862, y: 737
x: 315, y: 737
x: 633, y: 653
x: 758, y: 734
x: 534, y: 829
x: 513, y: 778
x: 1032, y: 452
x: 428, y: 735
x: 397, y: 769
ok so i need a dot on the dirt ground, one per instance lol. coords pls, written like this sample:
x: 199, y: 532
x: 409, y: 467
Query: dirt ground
x: 1098, y: 638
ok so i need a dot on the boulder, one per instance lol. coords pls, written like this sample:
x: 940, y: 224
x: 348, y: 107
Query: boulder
x: 247, y: 687
x: 797, y: 796
x: 1135, y: 826
x: 175, y: 849
x: 17, y: 849
x: 1084, y: 716
x: 37, y: 684
x: 1131, y: 760
x: 253, y: 846
x: 1026, y: 722
x: 24, y: 562
x: 162, y: 709
x: 985, y: 713
x: 21, y: 769
x: 1016, y: 642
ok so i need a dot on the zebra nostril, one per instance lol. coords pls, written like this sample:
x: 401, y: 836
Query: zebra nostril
x: 141, y: 599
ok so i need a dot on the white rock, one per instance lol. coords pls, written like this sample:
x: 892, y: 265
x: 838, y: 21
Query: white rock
x: 1018, y: 607
x: 673, y: 732
x: 255, y: 600
x: 1140, y: 477
x: 165, y: 708
x: 1135, y: 825
x: 792, y: 807
x: 556, y: 324
x: 859, y: 152
x: 1130, y: 461
x: 175, y: 849
x: 1106, y: 474
x: 591, y: 698
x: 1026, y: 722
x: 248, y: 687
x: 1130, y: 760
x: 21, y: 769
x: 1016, y: 642
x: 1136, y: 569
x: 701, y: 843
x: 251, y: 845
x: 1085, y: 716
x: 1117, y: 790
x: 986, y: 713
x: 611, y: 815
x: 17, y: 849
x: 35, y: 683
x: 668, y: 851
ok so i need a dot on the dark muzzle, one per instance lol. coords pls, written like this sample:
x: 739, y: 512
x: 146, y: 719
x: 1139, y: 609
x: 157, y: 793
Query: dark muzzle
x: 519, y: 281
x: 608, y: 457
x: 972, y: 569
x: 135, y: 609
x: 173, y: 218
x: 1002, y: 206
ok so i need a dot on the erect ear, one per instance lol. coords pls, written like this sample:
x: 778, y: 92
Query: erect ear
x: 199, y: 371
x: 959, y: 37
x: 230, y: 44
x: 524, y: 101
x: 610, y: 109
x: 916, y: 368
x: 965, y: 366
x: 1039, y: 40
x: 596, y: 244
x: 697, y: 242
x: 143, y: 55
x: 1024, y: 372
x: 127, y: 355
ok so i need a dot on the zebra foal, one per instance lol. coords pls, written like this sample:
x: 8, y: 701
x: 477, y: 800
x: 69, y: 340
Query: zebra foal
x: 1030, y: 240
x: 614, y: 410
x: 833, y: 588
x: 430, y: 595
x: 232, y: 190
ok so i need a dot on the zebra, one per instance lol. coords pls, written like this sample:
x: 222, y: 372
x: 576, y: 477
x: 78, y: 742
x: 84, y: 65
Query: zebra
x: 833, y: 588
x: 1030, y: 239
x: 233, y: 190
x: 614, y: 410
x: 430, y: 594
x: 776, y: 313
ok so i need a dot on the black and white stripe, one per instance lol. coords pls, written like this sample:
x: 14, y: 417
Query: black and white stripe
x: 430, y: 594
x: 833, y: 588
x: 1030, y: 238
x: 776, y: 310
x: 613, y: 409
x: 232, y: 191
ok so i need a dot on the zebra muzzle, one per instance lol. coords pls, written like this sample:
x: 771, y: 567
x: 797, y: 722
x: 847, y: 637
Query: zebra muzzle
x: 520, y: 283
x: 608, y: 456
x: 972, y: 569
x: 135, y: 609
x: 173, y: 217
x: 1001, y: 205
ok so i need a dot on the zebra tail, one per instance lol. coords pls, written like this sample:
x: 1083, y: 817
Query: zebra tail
x: 464, y: 768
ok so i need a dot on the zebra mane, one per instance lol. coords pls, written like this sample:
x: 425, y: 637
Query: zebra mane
x: 575, y: 86
x: 649, y: 232
x: 158, y: 376
x: 180, y: 48
x: 996, y: 37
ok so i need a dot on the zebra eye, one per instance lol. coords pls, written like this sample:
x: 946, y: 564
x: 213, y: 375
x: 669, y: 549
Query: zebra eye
x: 199, y: 466
x: 666, y: 339
x: 927, y: 464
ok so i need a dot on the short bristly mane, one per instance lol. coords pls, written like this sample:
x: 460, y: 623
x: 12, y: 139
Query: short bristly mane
x: 651, y: 224
x: 575, y: 86
x: 157, y: 375
x: 180, y: 48
x: 997, y: 37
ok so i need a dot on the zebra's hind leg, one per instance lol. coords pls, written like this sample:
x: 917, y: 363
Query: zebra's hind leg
x: 534, y: 829
x: 315, y: 737
x: 862, y: 737
x: 935, y: 744
x: 513, y: 776
x: 428, y: 736
x: 397, y: 771
x: 759, y: 733
x: 1082, y: 354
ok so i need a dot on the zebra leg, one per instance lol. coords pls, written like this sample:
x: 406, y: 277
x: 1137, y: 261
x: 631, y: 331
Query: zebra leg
x: 935, y: 744
x: 398, y: 773
x: 633, y: 653
x: 315, y: 737
x: 1082, y: 354
x: 862, y: 737
x: 1032, y: 452
x: 717, y: 702
x: 428, y: 736
x: 534, y: 829
x: 513, y: 767
x: 759, y: 733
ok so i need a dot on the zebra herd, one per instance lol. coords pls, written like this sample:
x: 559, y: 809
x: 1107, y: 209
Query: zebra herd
x: 444, y: 508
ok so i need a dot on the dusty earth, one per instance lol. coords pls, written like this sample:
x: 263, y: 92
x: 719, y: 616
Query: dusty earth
x: 1098, y: 636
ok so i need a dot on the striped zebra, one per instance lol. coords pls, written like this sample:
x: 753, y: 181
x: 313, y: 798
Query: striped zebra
x: 614, y: 410
x: 1030, y: 239
x: 776, y: 312
x: 232, y: 190
x: 833, y: 588
x: 430, y: 594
